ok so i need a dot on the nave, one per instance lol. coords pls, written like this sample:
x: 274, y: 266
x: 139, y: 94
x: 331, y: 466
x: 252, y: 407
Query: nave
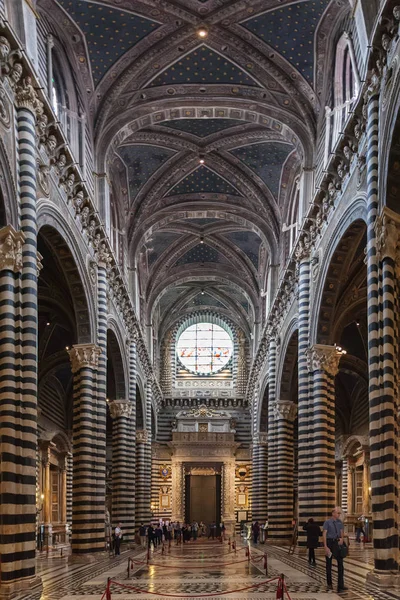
x: 207, y: 569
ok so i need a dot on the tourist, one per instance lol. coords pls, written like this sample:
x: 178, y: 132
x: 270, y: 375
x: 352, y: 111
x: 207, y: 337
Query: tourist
x: 212, y: 531
x: 118, y: 538
x: 142, y: 534
x: 360, y: 529
x: 150, y: 536
x: 256, y: 532
x: 313, y: 534
x: 195, y: 529
x: 222, y: 530
x: 333, y: 532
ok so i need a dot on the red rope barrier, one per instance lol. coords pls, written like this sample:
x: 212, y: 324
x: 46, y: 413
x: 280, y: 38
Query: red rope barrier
x: 142, y: 591
x: 221, y: 564
x: 286, y: 590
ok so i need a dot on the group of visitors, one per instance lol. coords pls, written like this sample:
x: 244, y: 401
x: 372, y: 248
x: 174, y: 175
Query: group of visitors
x: 174, y: 531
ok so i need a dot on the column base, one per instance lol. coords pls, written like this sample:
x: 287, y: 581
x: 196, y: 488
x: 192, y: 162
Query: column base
x: 383, y: 580
x: 12, y: 590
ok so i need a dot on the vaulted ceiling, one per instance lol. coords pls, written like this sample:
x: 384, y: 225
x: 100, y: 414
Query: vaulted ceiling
x: 202, y: 138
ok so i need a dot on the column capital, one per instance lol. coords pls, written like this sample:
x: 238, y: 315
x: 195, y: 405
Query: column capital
x: 387, y: 229
x: 324, y: 358
x: 84, y: 355
x: 11, y: 249
x: 26, y: 97
x: 142, y: 436
x: 260, y: 438
x: 120, y: 408
x: 284, y: 409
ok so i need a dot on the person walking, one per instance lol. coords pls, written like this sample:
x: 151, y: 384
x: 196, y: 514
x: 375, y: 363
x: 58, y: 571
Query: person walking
x: 333, y: 532
x: 360, y: 529
x: 313, y: 534
x: 256, y: 532
x: 118, y: 538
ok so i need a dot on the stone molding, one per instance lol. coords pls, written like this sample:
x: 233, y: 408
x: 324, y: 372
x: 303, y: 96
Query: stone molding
x: 323, y: 358
x: 84, y: 355
x: 284, y: 409
x: 11, y: 249
x: 120, y: 408
x: 142, y: 436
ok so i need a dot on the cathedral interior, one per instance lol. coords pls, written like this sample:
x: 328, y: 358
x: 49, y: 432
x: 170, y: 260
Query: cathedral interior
x: 199, y: 285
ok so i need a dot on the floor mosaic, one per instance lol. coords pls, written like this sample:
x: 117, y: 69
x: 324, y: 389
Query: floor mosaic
x: 205, y: 570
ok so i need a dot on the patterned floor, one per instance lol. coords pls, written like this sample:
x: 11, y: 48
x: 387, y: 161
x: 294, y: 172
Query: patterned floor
x: 204, y: 569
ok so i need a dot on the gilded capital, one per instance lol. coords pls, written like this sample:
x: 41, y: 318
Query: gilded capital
x: 284, y: 409
x: 84, y: 355
x: 142, y: 436
x: 11, y: 249
x: 323, y: 358
x: 120, y: 408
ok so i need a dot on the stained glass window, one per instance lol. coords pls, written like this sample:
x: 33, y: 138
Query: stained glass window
x: 204, y: 348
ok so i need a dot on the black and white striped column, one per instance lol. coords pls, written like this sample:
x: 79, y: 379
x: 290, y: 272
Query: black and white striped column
x: 383, y: 343
x: 18, y: 361
x: 323, y: 362
x: 148, y: 449
x: 142, y: 489
x: 273, y: 464
x: 259, y: 486
x: 281, y: 494
x: 304, y: 493
x: 88, y: 497
x: 123, y: 468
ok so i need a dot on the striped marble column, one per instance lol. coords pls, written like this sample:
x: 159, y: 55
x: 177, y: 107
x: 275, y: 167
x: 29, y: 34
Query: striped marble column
x: 69, y: 490
x: 284, y: 413
x: 274, y: 511
x: 259, y: 486
x: 304, y: 465
x: 88, y: 498
x: 344, y: 502
x: 142, y: 489
x: 132, y: 423
x: 148, y: 449
x: 18, y: 360
x: 383, y: 344
x: 323, y: 363
x: 123, y: 468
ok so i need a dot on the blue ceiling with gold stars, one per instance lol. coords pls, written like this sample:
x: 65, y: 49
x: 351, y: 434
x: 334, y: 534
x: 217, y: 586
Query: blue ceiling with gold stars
x: 201, y: 127
x: 201, y: 253
x: 266, y: 160
x: 203, y: 65
x: 207, y: 300
x: 109, y: 32
x: 158, y: 243
x: 203, y: 180
x: 248, y: 241
x: 142, y: 162
x: 290, y: 30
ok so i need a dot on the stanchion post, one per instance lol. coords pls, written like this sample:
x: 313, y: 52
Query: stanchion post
x: 129, y: 567
x: 279, y: 589
x: 148, y: 555
x: 108, y: 590
x: 266, y: 563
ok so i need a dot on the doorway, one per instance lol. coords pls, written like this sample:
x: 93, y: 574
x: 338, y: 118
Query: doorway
x: 203, y: 498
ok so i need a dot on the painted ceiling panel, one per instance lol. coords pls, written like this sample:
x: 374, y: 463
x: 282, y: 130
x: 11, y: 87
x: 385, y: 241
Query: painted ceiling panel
x: 207, y: 300
x: 248, y: 242
x: 109, y: 32
x: 203, y: 65
x: 202, y: 127
x: 159, y: 243
x: 203, y: 180
x: 290, y: 30
x: 203, y: 222
x: 171, y: 296
x: 265, y: 159
x: 202, y: 253
x: 142, y: 162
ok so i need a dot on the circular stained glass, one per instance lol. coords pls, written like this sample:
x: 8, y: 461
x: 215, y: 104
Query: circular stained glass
x: 204, y: 348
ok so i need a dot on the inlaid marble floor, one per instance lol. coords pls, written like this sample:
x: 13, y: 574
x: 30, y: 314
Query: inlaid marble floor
x: 205, y: 568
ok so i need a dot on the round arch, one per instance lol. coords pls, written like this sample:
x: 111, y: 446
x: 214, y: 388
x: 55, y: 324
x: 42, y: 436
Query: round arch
x: 287, y: 355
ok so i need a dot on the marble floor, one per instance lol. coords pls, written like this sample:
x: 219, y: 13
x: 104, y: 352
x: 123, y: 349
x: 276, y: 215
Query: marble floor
x: 205, y: 569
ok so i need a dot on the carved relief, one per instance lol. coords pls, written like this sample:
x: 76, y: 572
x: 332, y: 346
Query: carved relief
x: 84, y: 356
x: 120, y: 408
x: 11, y: 249
x: 323, y: 358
